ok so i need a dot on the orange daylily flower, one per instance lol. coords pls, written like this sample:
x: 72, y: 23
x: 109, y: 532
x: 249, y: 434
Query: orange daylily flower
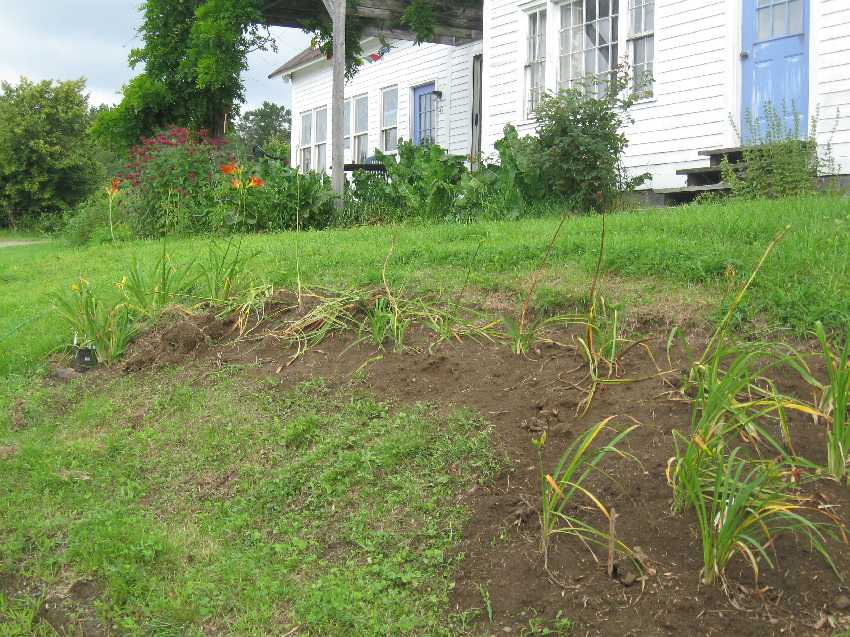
x: 113, y: 188
x: 255, y: 182
x: 229, y: 169
x: 235, y: 183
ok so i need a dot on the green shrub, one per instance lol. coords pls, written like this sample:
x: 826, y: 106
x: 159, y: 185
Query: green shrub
x: 369, y: 199
x: 89, y: 221
x: 579, y: 144
x: 522, y: 171
x: 183, y: 182
x: 778, y: 161
x: 289, y: 200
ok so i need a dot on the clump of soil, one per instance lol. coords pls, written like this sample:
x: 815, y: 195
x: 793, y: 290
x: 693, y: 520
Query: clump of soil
x: 69, y: 609
x: 19, y: 415
x: 523, y: 396
x: 174, y: 344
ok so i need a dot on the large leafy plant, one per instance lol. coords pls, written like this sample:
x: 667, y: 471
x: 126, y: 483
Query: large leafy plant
x: 424, y: 179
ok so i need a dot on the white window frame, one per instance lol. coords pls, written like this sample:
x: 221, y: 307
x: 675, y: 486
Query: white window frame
x: 360, y: 139
x: 320, y: 145
x: 567, y: 29
x: 535, y: 58
x: 642, y: 33
x: 386, y: 126
x: 306, y: 142
x: 346, y: 125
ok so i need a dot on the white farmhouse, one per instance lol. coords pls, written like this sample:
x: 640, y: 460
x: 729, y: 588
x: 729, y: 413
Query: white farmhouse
x: 712, y: 61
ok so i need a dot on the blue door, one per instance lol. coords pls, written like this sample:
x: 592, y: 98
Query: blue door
x: 424, y: 122
x: 775, y: 58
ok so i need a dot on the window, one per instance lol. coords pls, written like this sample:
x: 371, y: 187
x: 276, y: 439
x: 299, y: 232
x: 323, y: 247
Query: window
x: 642, y: 44
x: 321, y: 116
x: 389, y: 119
x: 346, y: 139
x: 588, y: 48
x: 306, y: 139
x: 535, y: 67
x: 778, y: 18
x: 361, y: 129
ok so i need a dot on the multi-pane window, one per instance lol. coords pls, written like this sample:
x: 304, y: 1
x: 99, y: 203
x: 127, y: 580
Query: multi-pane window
x: 778, y: 18
x: 642, y: 43
x: 535, y: 65
x: 346, y: 135
x: 361, y: 129
x: 306, y: 139
x: 589, y: 36
x: 389, y: 119
x: 321, y: 139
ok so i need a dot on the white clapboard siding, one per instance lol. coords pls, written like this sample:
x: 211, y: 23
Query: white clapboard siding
x: 831, y: 81
x: 690, y: 107
x: 406, y: 66
x: 696, y: 103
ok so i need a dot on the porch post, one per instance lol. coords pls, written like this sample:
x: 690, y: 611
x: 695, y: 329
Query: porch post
x: 338, y: 97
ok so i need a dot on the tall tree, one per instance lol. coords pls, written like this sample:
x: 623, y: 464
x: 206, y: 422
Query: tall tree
x: 46, y: 158
x: 261, y: 125
x: 194, y: 52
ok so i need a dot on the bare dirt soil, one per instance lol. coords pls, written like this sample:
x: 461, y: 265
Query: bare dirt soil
x: 522, y: 396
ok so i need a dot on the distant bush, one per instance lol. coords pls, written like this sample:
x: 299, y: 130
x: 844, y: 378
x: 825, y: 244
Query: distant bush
x: 89, y: 222
x: 47, y: 163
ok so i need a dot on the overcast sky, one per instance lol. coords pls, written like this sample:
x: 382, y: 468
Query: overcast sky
x: 68, y: 39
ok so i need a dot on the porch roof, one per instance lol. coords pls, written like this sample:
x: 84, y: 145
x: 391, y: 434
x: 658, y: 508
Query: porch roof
x: 456, y: 21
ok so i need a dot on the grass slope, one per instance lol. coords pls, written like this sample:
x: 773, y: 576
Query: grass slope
x: 225, y: 507
x: 220, y: 505
x: 685, y: 256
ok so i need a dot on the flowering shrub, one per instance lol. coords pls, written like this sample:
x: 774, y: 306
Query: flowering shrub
x: 184, y: 182
x: 171, y: 181
x: 268, y: 195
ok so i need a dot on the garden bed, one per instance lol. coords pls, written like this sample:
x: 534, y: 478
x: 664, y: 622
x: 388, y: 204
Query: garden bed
x: 501, y: 573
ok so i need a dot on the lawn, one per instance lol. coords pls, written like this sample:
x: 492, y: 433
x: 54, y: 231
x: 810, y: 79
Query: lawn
x: 234, y: 495
x: 660, y: 263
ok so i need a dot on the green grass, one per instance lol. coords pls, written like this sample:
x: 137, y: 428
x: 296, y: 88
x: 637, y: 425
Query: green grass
x: 230, y: 506
x: 661, y: 262
x: 240, y: 508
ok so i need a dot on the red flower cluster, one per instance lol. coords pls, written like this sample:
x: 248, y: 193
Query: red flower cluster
x: 193, y: 143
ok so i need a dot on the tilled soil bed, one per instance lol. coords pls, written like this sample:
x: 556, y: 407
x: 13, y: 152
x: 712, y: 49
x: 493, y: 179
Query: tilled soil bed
x: 524, y: 396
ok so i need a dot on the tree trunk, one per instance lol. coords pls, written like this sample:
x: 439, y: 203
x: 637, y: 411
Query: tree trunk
x: 338, y: 99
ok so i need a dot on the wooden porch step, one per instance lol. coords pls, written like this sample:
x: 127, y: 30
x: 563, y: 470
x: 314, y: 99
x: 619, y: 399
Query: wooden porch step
x: 699, y: 170
x: 684, y: 190
x: 721, y: 151
x: 734, y: 154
